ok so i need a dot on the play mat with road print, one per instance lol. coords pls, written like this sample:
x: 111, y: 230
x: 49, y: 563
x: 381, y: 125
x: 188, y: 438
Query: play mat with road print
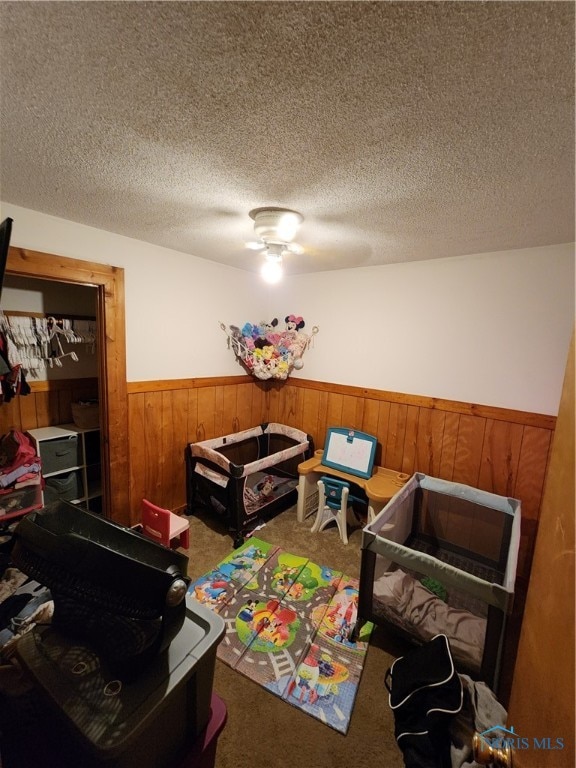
x: 288, y: 627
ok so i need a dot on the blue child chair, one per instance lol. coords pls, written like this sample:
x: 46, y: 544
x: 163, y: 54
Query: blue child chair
x: 333, y: 500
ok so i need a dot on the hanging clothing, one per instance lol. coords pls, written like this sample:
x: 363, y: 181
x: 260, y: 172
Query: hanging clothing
x: 13, y: 381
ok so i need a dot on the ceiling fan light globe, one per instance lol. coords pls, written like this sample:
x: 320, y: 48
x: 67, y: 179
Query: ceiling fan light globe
x: 271, y: 271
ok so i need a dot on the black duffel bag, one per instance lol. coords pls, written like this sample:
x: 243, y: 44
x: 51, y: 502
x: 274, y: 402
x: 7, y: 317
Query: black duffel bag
x: 425, y: 693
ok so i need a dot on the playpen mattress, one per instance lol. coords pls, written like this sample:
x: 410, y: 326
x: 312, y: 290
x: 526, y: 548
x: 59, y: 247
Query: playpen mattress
x: 405, y: 602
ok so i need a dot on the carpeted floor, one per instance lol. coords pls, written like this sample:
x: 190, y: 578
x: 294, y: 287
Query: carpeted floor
x: 261, y: 729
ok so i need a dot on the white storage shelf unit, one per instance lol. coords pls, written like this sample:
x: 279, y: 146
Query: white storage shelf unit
x: 70, y: 457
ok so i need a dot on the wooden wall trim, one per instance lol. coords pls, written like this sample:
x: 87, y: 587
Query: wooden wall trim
x: 526, y: 418
x: 61, y: 385
x: 28, y: 263
x: 170, y: 385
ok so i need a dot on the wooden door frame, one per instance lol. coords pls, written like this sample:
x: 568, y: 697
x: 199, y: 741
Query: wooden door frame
x: 109, y: 283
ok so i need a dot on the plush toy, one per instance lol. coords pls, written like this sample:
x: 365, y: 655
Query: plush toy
x: 268, y: 352
x: 263, y: 329
x: 266, y: 487
x: 283, y: 369
x: 294, y: 323
x: 283, y: 343
x: 260, y: 369
x: 271, y: 336
x: 236, y: 341
x: 435, y: 587
x: 291, y: 339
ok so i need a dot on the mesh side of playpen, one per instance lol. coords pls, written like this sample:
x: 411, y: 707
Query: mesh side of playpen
x: 238, y: 453
x: 278, y: 445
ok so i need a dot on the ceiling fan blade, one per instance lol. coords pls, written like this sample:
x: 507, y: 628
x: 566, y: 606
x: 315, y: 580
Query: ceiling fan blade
x: 295, y: 248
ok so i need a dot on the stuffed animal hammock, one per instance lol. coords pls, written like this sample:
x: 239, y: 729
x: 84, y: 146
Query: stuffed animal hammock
x: 267, y: 353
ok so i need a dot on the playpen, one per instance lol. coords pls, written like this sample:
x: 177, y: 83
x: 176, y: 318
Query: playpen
x: 246, y: 476
x: 441, y: 558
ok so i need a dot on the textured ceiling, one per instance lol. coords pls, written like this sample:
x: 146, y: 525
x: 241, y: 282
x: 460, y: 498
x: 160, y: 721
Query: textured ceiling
x: 401, y: 131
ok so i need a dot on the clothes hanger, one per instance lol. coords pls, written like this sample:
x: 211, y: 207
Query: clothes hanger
x: 55, y: 333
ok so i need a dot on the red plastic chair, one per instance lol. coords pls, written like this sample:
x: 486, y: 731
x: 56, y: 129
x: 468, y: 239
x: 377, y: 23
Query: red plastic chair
x: 164, y: 526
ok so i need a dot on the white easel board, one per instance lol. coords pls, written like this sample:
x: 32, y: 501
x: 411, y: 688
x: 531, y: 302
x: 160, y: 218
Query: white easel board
x: 350, y: 451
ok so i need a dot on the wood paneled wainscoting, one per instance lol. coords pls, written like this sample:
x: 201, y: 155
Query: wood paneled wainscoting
x: 495, y: 449
x: 48, y: 404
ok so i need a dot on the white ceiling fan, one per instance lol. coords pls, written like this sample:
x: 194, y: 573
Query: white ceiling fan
x: 275, y: 229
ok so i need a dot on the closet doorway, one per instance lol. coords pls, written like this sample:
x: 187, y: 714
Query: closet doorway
x: 109, y: 284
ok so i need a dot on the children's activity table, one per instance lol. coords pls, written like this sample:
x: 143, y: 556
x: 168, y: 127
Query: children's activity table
x: 348, y: 455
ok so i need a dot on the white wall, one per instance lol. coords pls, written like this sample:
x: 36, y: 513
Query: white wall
x: 174, y: 302
x: 492, y: 328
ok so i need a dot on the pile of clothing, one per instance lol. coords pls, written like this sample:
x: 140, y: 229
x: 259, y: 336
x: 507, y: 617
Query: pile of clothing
x: 20, y: 471
x: 12, y: 374
x: 23, y: 603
